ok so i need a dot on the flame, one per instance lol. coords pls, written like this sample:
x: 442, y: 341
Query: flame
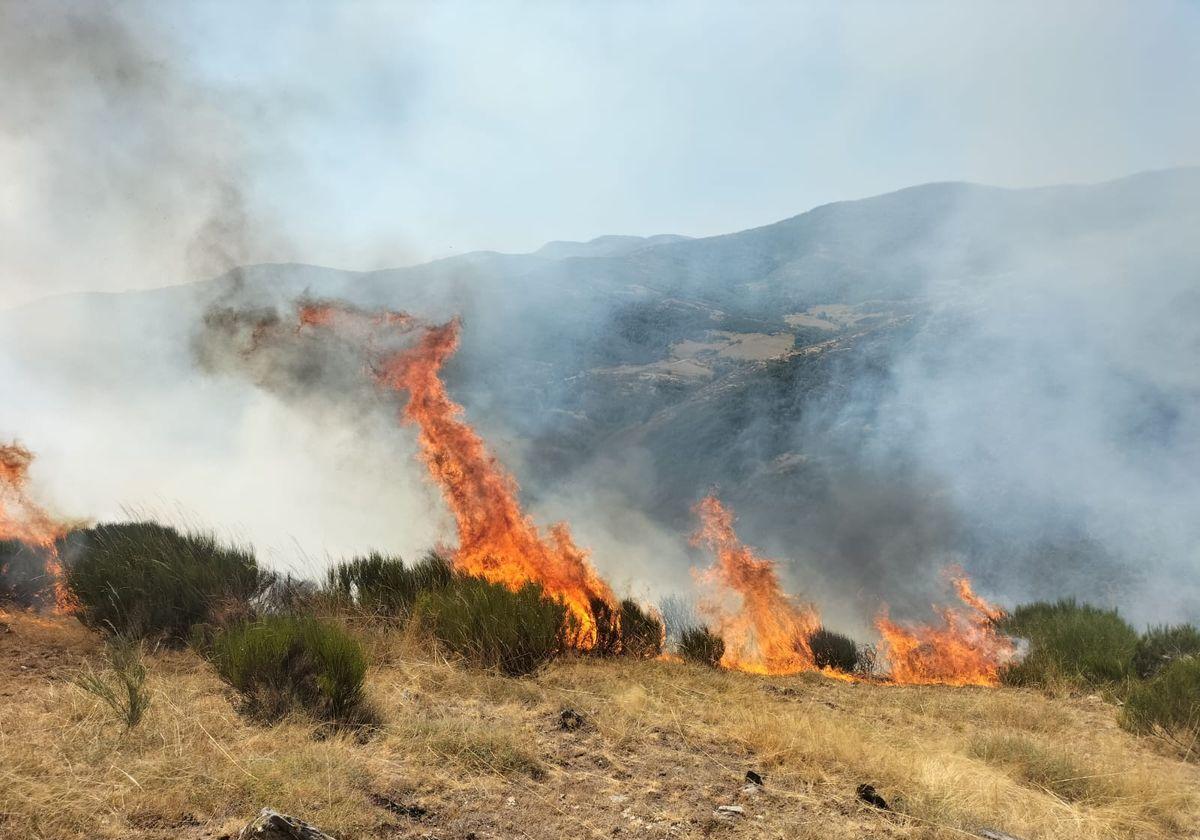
x: 24, y: 521
x: 966, y: 649
x: 767, y: 633
x: 496, y: 539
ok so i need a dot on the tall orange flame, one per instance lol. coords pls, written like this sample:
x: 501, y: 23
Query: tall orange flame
x: 767, y: 632
x: 24, y: 521
x: 496, y: 539
x: 966, y: 649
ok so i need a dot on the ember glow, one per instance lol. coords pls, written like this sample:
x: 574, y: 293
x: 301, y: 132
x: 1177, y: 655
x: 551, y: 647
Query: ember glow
x: 766, y: 631
x: 24, y: 521
x: 496, y: 539
x: 965, y: 649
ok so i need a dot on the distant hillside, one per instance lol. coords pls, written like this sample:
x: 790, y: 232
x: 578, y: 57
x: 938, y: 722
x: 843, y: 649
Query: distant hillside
x: 757, y: 361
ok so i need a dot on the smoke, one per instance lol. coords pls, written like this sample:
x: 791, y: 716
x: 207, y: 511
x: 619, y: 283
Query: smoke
x: 127, y: 168
x: 1037, y: 421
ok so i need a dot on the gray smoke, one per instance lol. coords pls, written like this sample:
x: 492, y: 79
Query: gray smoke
x: 128, y: 169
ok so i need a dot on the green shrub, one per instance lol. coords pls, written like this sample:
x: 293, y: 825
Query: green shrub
x: 1070, y: 642
x: 698, y: 644
x: 1167, y: 705
x: 385, y: 585
x: 283, y: 663
x: 641, y: 631
x: 491, y: 626
x: 122, y: 682
x: 1160, y: 646
x: 24, y: 581
x: 146, y: 580
x: 833, y: 650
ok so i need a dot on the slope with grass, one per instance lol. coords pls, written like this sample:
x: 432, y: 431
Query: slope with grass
x: 663, y: 744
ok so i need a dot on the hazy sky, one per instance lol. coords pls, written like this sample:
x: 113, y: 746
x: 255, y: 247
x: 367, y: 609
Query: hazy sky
x: 146, y: 145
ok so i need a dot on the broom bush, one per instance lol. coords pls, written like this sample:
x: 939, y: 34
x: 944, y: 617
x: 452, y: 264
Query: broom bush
x: 145, y: 580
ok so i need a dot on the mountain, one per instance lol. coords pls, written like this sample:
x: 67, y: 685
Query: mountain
x: 793, y: 366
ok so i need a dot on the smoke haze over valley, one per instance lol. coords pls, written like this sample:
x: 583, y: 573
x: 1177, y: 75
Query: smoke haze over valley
x: 950, y: 373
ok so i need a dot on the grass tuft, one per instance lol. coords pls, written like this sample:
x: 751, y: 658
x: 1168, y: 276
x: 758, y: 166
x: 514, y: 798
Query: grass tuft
x: 121, y: 685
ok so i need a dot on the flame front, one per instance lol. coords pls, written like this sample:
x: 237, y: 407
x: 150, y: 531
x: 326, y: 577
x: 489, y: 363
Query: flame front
x: 496, y: 539
x: 24, y: 521
x: 767, y: 631
x: 967, y: 649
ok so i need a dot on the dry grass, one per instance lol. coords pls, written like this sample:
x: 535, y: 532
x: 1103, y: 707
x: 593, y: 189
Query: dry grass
x: 663, y: 744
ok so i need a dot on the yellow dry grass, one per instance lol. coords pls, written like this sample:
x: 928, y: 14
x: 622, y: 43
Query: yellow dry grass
x: 663, y: 745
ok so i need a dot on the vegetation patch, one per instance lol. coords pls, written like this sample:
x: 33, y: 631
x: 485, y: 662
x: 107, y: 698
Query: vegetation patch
x: 121, y: 683
x: 1167, y: 705
x: 1035, y: 765
x: 491, y: 626
x: 145, y: 580
x: 1160, y: 646
x: 23, y: 578
x: 833, y: 650
x: 283, y: 664
x: 1070, y: 642
x: 699, y: 644
x: 385, y: 585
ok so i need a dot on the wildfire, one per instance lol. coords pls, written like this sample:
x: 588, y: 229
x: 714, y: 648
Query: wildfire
x: 24, y: 521
x: 767, y: 633
x: 966, y: 649
x: 496, y: 539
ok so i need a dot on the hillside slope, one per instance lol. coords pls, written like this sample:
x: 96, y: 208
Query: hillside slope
x: 663, y: 746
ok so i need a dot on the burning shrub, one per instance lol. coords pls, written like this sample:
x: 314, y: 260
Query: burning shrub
x: 698, y: 644
x: 833, y: 650
x: 491, y: 626
x: 641, y: 631
x: 1159, y: 646
x: 608, y: 629
x: 24, y: 580
x: 385, y: 585
x: 282, y: 664
x: 145, y: 580
x: 1071, y: 642
x: 626, y: 630
x: 1168, y: 705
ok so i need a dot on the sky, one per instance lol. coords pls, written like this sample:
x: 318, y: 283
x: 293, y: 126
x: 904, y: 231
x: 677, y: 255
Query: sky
x: 146, y: 145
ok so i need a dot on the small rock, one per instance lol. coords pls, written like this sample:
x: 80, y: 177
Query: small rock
x: 753, y: 778
x: 992, y: 834
x: 272, y: 825
x: 730, y: 811
x: 413, y: 812
x: 569, y: 720
x: 868, y: 794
